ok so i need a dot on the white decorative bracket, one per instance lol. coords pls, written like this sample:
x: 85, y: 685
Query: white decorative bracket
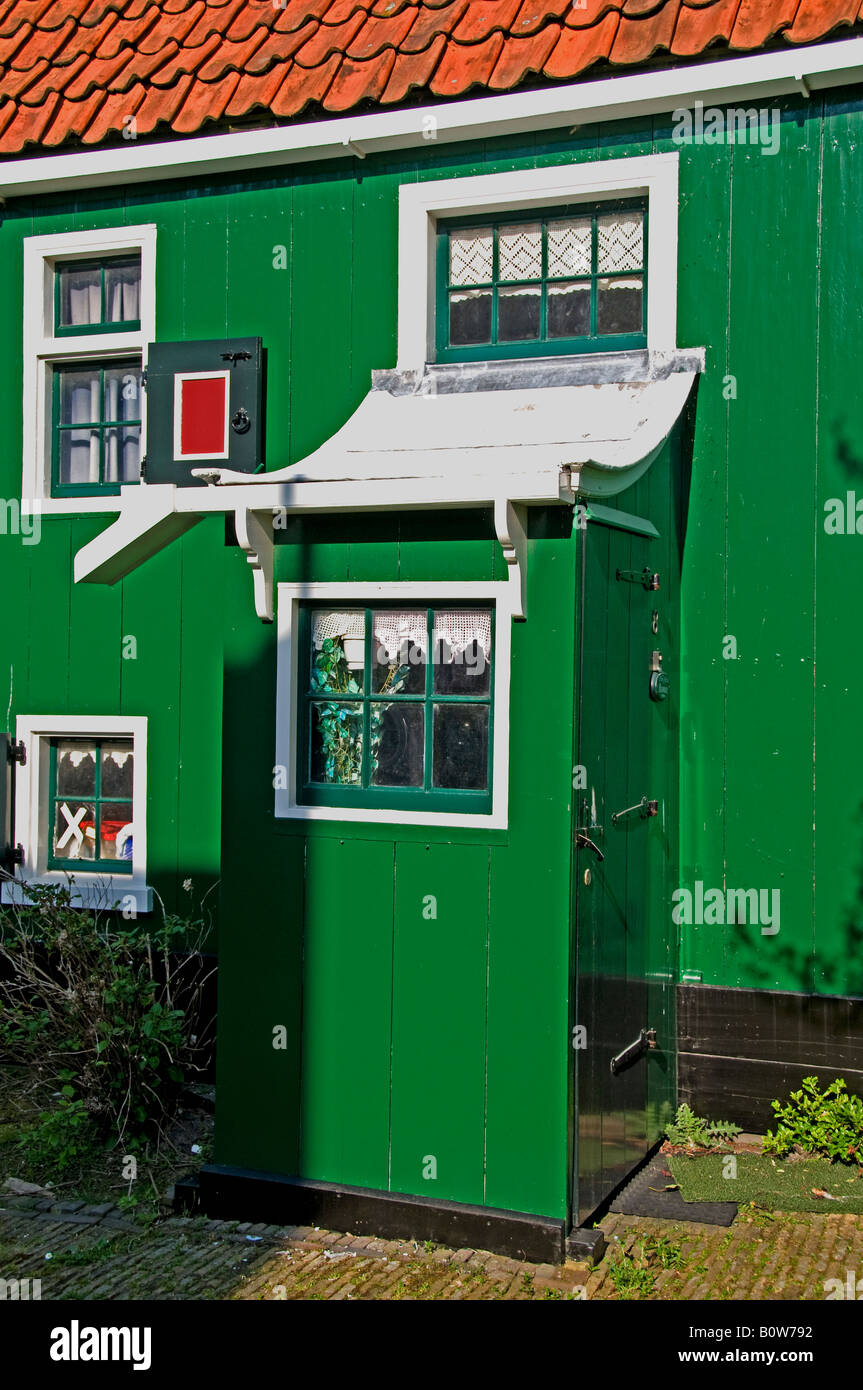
x: 257, y: 542
x: 509, y: 524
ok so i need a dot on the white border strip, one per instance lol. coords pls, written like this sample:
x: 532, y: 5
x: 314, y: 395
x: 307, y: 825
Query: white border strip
x: 287, y: 696
x: 814, y: 67
x: 179, y: 379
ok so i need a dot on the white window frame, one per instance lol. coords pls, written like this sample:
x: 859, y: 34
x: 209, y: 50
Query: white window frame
x: 652, y: 176
x: 32, y: 813
x: 395, y: 594
x: 43, y: 349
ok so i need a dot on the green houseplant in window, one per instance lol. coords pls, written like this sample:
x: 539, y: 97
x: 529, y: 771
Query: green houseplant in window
x: 397, y: 709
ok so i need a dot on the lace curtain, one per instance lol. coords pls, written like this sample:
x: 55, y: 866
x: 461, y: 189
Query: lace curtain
x: 457, y: 628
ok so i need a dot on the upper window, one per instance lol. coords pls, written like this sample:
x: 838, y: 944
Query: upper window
x: 89, y: 314
x: 396, y: 708
x: 97, y: 296
x: 573, y: 280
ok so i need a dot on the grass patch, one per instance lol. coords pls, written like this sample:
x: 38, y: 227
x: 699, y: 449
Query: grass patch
x: 773, y: 1183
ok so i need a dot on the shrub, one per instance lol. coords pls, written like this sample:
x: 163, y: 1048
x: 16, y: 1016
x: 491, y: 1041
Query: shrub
x: 102, y: 1011
x: 829, y: 1123
x: 689, y: 1130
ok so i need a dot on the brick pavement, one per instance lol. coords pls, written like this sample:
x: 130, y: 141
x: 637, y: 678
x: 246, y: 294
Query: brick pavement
x: 98, y: 1252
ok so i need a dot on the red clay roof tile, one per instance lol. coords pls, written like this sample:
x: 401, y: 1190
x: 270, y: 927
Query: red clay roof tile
x: 72, y: 118
x: 231, y: 56
x: 816, y: 18
x: 758, y: 20
x: 432, y: 22
x: 254, y: 91
x: 205, y: 102
x: 466, y: 65
x: 171, y: 26
x: 359, y: 81
x: 113, y: 115
x: 700, y: 26
x: 638, y: 39
x: 522, y: 56
x: 535, y: 13
x: 28, y: 125
x: 578, y: 49
x: 303, y: 85
x: 141, y: 67
x: 378, y: 34
x: 484, y: 18
x: 412, y: 70
x: 327, y: 39
x: 184, y: 63
x: 278, y: 48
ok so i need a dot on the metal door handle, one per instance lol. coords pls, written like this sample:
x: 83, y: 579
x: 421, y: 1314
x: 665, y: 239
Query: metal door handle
x: 645, y: 809
x: 583, y: 841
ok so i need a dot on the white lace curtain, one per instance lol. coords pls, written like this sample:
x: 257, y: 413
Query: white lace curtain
x: 457, y: 628
x: 83, y: 297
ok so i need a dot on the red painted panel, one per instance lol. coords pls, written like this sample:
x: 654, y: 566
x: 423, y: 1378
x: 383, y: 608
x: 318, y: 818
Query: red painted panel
x: 202, y: 422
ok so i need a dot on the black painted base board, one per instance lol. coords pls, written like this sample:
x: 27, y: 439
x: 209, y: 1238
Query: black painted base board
x: 739, y: 1049
x: 226, y: 1193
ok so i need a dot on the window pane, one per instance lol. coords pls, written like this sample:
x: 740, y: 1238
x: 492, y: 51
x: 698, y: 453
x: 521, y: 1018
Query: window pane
x: 117, y: 769
x: 397, y: 743
x: 460, y: 758
x: 471, y: 256
x: 76, y: 768
x: 337, y: 743
x: 338, y: 650
x: 79, y: 456
x: 79, y: 396
x: 122, y: 455
x: 569, y: 246
x: 470, y: 318
x: 74, y: 830
x: 619, y: 305
x: 461, y: 642
x: 569, y: 310
x: 620, y: 242
x: 115, y: 830
x: 518, y: 314
x: 122, y: 290
x: 399, y: 643
x: 122, y: 393
x: 519, y: 251
x: 80, y: 296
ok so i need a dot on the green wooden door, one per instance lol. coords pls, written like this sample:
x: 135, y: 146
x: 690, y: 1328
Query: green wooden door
x: 616, y: 993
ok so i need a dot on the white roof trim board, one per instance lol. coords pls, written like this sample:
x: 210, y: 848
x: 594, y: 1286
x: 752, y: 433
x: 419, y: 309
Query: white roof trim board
x: 506, y: 435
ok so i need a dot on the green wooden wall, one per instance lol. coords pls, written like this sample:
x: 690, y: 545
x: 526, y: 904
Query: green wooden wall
x: 769, y: 279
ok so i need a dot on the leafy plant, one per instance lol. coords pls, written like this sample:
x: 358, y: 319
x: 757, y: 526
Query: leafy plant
x: 102, y: 1015
x: 668, y: 1254
x: 340, y: 726
x: 828, y: 1122
x: 630, y: 1278
x: 693, y: 1132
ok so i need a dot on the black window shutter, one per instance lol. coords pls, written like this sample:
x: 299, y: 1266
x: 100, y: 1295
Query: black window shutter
x: 204, y: 408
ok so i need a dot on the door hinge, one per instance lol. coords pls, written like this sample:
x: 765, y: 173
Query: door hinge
x: 16, y: 753
x: 645, y: 1042
x: 645, y: 809
x: 646, y: 577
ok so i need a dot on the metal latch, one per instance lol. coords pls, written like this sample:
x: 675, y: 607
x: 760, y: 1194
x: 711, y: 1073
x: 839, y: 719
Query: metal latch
x: 646, y: 577
x: 645, y: 809
x: 645, y: 1042
x: 583, y: 841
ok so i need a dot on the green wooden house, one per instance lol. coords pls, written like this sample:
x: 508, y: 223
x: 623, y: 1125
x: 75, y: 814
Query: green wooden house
x: 430, y: 513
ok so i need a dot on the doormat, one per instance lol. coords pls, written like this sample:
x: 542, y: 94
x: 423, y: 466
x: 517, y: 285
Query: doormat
x: 648, y: 1194
x: 774, y: 1184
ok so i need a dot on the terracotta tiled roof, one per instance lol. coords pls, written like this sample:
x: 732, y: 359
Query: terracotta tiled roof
x: 75, y: 72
